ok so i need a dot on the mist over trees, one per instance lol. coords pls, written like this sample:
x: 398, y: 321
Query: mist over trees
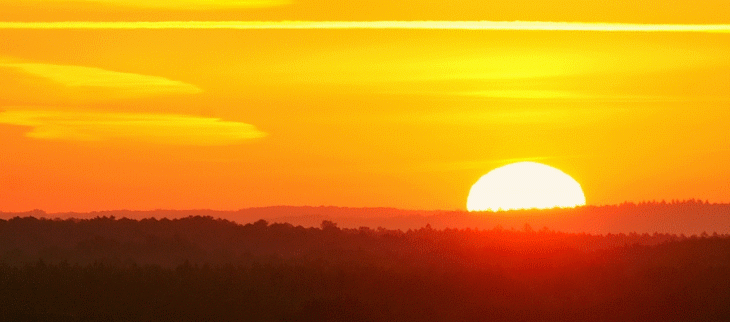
x: 206, y: 269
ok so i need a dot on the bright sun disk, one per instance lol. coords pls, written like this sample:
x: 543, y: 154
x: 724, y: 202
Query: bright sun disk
x: 524, y: 185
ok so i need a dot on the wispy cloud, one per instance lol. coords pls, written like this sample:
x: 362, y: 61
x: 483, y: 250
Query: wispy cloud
x: 90, y: 78
x: 525, y: 94
x: 488, y: 164
x: 172, y: 4
x: 571, y: 96
x: 435, y: 25
x: 511, y: 116
x: 136, y: 127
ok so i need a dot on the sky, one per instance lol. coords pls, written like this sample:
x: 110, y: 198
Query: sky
x: 202, y: 104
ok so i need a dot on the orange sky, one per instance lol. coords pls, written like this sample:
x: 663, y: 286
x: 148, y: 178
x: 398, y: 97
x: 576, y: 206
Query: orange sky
x: 188, y: 115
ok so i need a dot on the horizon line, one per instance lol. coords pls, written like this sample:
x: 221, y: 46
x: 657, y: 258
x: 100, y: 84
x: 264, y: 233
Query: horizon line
x: 377, y: 25
x: 635, y: 203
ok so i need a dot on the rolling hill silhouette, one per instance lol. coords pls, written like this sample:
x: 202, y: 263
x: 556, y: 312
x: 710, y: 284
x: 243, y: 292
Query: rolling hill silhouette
x: 685, y: 217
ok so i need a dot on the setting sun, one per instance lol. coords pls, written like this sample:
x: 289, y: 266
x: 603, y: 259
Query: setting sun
x: 524, y: 185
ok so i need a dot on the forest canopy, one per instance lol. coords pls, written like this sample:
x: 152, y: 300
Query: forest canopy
x: 202, y: 268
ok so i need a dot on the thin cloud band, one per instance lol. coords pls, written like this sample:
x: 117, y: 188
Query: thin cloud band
x: 416, y: 25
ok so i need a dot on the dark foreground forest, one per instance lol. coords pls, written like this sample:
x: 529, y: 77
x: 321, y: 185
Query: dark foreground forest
x: 206, y: 269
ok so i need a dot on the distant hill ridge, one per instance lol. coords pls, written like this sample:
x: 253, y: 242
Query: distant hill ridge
x: 685, y: 217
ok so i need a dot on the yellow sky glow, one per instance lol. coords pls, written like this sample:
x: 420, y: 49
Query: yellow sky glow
x: 160, y: 104
x: 429, y: 25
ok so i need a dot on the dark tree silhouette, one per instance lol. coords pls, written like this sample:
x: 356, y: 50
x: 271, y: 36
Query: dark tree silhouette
x: 206, y: 269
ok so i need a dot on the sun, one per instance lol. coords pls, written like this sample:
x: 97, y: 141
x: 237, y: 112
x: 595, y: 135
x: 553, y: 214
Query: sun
x: 524, y: 185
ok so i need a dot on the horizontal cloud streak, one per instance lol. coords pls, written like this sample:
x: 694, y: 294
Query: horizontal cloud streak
x: 565, y: 95
x: 172, y: 4
x: 136, y: 127
x: 125, y: 84
x: 526, y: 116
x: 426, y: 25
